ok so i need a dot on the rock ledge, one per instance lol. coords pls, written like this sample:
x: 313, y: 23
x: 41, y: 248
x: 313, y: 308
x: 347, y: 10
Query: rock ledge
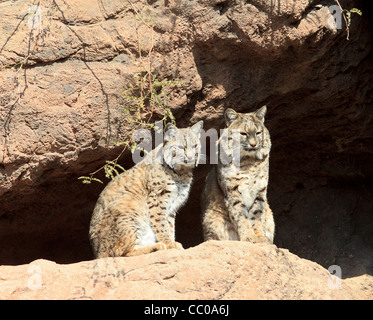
x: 212, y: 270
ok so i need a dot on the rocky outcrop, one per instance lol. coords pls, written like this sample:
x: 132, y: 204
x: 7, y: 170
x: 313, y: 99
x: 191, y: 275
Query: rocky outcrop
x: 212, y: 270
x: 63, y: 70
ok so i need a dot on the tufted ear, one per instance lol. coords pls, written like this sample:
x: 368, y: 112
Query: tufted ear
x: 170, y: 131
x: 197, y: 127
x: 260, y: 113
x: 230, y: 115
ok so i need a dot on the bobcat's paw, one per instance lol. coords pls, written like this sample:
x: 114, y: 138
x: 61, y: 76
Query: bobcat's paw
x: 175, y: 245
x: 160, y: 246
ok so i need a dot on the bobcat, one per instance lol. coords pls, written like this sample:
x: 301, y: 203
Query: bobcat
x: 135, y: 213
x: 234, y: 198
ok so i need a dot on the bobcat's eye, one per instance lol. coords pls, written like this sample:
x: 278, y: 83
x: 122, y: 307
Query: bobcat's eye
x: 243, y: 133
x: 258, y: 133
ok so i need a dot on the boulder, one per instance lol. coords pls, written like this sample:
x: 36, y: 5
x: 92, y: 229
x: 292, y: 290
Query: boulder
x: 212, y: 270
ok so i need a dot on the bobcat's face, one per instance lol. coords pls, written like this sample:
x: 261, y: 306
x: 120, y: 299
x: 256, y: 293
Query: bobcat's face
x: 253, y: 135
x: 182, y: 147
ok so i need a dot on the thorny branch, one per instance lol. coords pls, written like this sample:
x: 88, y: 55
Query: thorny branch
x: 142, y: 98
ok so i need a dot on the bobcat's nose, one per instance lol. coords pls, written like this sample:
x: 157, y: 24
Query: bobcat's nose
x: 253, y: 143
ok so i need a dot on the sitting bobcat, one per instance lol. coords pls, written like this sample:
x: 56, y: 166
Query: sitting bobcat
x: 234, y: 199
x: 135, y: 213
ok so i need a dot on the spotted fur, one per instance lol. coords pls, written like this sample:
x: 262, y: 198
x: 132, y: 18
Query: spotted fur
x: 135, y: 213
x: 234, y: 199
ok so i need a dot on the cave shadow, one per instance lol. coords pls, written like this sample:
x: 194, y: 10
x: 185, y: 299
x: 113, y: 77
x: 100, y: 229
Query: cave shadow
x: 54, y: 228
x: 50, y: 219
x: 330, y: 224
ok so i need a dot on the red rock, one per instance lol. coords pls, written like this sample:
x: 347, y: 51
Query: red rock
x: 62, y: 111
x: 212, y: 270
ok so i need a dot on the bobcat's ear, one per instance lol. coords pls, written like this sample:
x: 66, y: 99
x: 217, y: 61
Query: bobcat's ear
x: 260, y: 113
x: 170, y: 131
x: 197, y: 127
x: 230, y: 115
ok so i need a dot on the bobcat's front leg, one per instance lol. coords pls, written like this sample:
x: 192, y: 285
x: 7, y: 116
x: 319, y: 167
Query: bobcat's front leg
x: 247, y: 211
x: 238, y: 215
x: 171, y: 224
x: 257, y: 219
x: 162, y: 224
x: 247, y: 196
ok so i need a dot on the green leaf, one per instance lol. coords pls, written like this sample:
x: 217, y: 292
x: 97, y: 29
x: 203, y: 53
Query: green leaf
x: 88, y: 180
x: 116, y: 172
x: 115, y: 165
x: 168, y: 113
x: 120, y: 143
x: 85, y: 179
x: 156, y: 98
x: 355, y: 10
x: 97, y: 180
x: 133, y: 147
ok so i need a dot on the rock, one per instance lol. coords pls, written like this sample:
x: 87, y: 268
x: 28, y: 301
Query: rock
x: 64, y: 68
x: 212, y: 270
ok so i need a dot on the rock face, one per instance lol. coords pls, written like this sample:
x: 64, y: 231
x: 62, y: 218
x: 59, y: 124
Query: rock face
x: 63, y: 70
x: 212, y: 270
